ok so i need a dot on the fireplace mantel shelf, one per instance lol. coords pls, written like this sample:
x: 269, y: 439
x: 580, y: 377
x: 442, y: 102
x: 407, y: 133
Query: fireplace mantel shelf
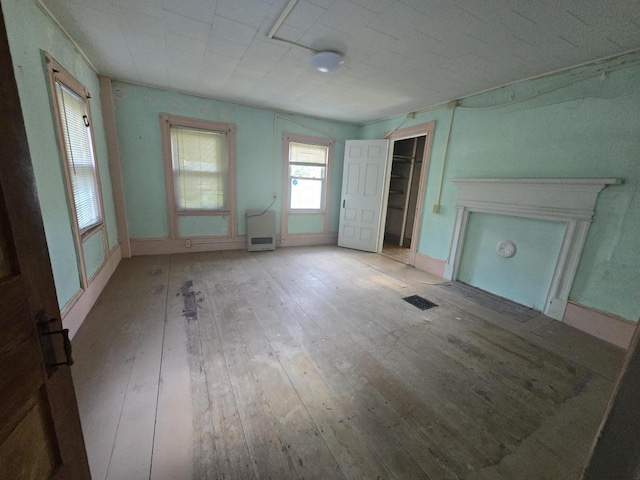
x: 557, y: 199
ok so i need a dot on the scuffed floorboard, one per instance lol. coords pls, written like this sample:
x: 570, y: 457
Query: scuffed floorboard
x: 307, y: 363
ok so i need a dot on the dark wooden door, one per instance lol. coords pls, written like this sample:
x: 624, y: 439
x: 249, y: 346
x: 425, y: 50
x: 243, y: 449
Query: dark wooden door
x: 40, y: 435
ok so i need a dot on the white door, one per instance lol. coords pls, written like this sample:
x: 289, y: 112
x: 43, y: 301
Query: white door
x: 362, y: 192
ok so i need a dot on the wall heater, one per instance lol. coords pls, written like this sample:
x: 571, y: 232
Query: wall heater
x: 261, y: 230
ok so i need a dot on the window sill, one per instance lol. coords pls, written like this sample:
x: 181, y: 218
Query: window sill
x: 202, y: 213
x: 87, y: 234
x: 306, y: 212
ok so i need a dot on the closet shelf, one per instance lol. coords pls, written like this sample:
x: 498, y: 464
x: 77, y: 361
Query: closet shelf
x: 393, y: 207
x: 396, y: 192
x: 399, y: 177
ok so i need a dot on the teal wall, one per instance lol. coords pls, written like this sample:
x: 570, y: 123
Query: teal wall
x: 573, y: 124
x: 94, y: 254
x: 305, y: 223
x: 202, y: 226
x: 259, y: 171
x: 31, y: 32
x: 525, y: 277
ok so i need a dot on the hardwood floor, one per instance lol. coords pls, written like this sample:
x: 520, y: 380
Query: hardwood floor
x: 307, y: 363
x: 401, y: 254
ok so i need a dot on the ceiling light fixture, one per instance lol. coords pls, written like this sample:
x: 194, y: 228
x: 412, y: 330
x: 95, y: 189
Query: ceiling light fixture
x: 324, y: 61
x: 327, y: 61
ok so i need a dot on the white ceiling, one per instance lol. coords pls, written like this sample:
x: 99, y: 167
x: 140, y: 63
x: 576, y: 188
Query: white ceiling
x: 400, y: 55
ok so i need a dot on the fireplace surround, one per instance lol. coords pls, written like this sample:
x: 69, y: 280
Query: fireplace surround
x: 570, y: 201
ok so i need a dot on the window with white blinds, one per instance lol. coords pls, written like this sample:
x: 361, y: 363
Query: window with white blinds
x: 77, y: 138
x: 200, y: 169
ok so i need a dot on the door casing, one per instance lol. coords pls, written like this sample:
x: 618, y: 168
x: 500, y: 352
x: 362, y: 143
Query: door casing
x: 426, y: 130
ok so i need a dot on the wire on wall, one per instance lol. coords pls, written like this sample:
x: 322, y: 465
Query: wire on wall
x: 599, y: 73
x: 388, y: 134
x: 263, y: 212
x: 436, y: 207
x: 274, y: 154
x: 307, y: 127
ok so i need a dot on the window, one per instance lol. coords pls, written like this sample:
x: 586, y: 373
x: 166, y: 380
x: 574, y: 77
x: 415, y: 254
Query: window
x: 200, y: 165
x: 306, y: 180
x: 77, y: 148
x: 72, y: 113
x: 200, y: 176
x: 307, y: 175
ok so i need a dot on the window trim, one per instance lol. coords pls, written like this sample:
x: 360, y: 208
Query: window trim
x: 325, y: 209
x: 59, y: 74
x: 229, y: 129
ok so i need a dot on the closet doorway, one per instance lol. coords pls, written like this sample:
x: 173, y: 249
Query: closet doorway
x: 407, y: 173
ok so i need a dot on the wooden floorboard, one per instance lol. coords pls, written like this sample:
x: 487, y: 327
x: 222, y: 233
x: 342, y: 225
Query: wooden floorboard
x: 307, y: 363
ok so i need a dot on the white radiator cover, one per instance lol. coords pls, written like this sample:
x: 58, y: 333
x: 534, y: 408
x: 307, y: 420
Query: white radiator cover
x: 261, y: 230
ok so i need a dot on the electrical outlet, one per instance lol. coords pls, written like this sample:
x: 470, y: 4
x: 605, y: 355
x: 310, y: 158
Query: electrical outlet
x: 187, y: 244
x: 283, y: 238
x: 436, y: 208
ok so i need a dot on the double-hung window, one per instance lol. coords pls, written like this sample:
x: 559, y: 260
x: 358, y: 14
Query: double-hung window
x: 200, y: 169
x: 72, y: 112
x: 77, y: 141
x: 200, y: 176
x: 307, y: 176
x: 307, y: 184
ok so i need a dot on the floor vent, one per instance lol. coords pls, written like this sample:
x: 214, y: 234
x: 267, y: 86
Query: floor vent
x: 421, y: 303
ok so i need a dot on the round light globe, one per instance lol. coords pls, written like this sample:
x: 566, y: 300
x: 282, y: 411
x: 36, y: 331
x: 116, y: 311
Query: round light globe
x: 326, y: 61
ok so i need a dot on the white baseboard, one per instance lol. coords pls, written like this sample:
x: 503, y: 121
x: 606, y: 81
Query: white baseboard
x: 79, y: 307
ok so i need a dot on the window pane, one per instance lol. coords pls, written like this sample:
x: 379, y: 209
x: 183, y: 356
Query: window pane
x: 305, y: 153
x: 306, y: 171
x: 306, y: 194
x: 201, y: 191
x: 199, y: 169
x: 79, y: 149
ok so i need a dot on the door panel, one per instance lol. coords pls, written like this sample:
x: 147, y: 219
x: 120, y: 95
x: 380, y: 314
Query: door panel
x: 40, y: 434
x: 362, y: 190
x: 32, y: 438
x: 371, y: 180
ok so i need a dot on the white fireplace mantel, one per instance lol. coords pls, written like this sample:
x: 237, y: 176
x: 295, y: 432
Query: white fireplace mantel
x: 571, y: 201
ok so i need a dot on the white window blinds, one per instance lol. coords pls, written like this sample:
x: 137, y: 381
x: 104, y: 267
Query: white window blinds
x: 76, y: 133
x: 200, y: 169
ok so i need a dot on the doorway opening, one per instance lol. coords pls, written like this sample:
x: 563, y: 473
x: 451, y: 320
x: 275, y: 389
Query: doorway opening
x: 404, y: 182
x: 407, y: 168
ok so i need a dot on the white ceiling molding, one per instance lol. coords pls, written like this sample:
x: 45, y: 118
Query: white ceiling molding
x: 571, y: 201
